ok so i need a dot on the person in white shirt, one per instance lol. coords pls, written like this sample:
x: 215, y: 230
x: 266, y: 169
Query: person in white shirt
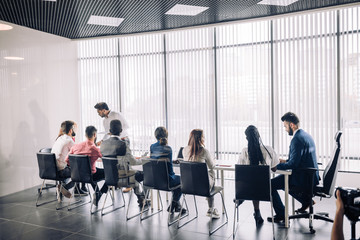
x: 61, y: 148
x: 109, y: 115
x: 257, y: 154
x: 196, y: 152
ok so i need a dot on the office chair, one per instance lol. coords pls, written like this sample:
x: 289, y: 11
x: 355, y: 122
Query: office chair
x: 81, y: 173
x: 47, y: 185
x: 252, y: 183
x: 156, y: 176
x: 195, y: 181
x: 47, y: 171
x: 326, y: 189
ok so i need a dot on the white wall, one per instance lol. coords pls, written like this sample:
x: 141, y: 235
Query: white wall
x: 36, y: 95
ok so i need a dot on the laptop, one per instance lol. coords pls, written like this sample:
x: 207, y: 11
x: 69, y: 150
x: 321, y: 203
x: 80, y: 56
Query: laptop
x: 180, y: 154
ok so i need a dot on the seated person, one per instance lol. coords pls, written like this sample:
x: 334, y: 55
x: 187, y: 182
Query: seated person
x: 158, y: 150
x: 61, y: 148
x: 257, y: 154
x: 302, y: 154
x: 116, y: 147
x: 89, y: 148
x: 196, y: 152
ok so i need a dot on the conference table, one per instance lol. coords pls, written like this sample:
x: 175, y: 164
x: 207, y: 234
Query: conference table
x: 286, y: 173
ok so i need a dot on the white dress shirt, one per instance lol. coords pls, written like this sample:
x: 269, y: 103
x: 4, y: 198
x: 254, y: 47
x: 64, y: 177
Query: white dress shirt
x: 112, y: 116
x: 61, y: 148
x: 272, y: 160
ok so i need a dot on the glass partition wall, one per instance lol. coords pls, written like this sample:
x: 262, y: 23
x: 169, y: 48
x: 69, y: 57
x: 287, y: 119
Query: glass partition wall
x: 222, y: 79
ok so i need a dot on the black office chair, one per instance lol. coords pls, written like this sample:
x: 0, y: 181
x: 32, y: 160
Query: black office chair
x: 180, y: 154
x: 47, y: 185
x: 112, y: 169
x: 195, y: 181
x: 323, y: 190
x: 252, y: 183
x: 156, y: 177
x: 47, y: 171
x: 81, y: 173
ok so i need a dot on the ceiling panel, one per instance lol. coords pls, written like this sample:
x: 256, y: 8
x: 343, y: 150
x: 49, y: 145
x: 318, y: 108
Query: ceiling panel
x: 68, y: 18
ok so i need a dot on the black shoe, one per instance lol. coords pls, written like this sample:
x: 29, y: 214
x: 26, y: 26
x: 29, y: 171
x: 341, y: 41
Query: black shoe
x: 277, y: 219
x: 96, y: 198
x: 258, y: 219
x: 177, y: 208
x: 80, y: 192
x: 304, y: 207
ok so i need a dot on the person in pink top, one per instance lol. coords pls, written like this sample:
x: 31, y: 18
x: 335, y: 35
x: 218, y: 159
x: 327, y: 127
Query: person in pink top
x: 89, y: 148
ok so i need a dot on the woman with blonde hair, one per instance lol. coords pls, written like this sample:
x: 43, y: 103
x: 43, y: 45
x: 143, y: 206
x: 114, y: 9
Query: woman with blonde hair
x: 196, y: 152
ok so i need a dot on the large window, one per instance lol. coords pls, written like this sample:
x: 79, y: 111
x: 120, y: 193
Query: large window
x: 222, y: 79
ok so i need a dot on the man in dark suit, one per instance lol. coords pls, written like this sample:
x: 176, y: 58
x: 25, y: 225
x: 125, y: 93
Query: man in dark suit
x: 115, y: 147
x: 302, y: 154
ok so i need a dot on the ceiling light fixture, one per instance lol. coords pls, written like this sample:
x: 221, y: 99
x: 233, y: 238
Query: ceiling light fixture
x: 14, y: 58
x: 186, y: 10
x: 4, y: 27
x: 277, y: 2
x: 105, y: 21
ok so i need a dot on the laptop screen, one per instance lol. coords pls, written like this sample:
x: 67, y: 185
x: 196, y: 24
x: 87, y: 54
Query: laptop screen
x: 180, y: 155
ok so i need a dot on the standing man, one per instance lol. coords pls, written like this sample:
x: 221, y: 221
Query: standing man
x: 302, y: 154
x: 108, y: 115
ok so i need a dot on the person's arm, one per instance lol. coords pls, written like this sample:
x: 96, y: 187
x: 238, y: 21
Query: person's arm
x: 209, y: 160
x: 124, y: 123
x: 130, y: 158
x: 296, y: 151
x: 243, y: 157
x: 337, y: 229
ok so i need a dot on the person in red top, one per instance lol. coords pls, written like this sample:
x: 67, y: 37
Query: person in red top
x: 89, y: 148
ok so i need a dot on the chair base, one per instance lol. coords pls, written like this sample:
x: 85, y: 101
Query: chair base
x: 311, y: 217
x: 40, y: 193
x: 211, y: 231
x: 111, y: 188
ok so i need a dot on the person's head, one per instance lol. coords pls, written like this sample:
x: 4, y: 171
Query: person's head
x: 161, y: 135
x: 196, y: 142
x: 253, y: 138
x: 291, y: 122
x: 90, y: 133
x: 102, y: 109
x: 68, y: 127
x: 115, y: 127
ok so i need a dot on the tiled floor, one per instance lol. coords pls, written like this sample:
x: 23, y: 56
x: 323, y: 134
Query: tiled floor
x: 21, y: 219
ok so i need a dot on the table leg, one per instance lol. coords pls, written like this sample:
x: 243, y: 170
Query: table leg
x: 222, y: 185
x: 286, y: 201
x: 152, y: 199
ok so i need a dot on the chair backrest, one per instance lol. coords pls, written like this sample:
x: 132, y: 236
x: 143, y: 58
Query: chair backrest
x: 111, y: 171
x: 156, y: 174
x: 180, y: 154
x: 330, y: 173
x: 80, y: 168
x: 47, y: 166
x: 252, y: 182
x: 45, y: 150
x: 194, y: 178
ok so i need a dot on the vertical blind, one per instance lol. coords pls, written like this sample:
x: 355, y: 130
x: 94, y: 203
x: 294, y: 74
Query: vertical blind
x: 190, y: 86
x: 142, y: 88
x: 99, y: 79
x: 305, y: 70
x: 349, y: 25
x: 243, y: 80
x: 222, y: 79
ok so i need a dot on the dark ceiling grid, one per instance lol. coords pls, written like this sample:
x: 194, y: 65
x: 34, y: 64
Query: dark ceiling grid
x: 68, y: 18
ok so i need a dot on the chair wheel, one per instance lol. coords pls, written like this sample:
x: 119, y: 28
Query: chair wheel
x: 312, y: 231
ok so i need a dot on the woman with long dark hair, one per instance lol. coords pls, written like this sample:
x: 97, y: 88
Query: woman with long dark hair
x: 196, y: 152
x: 257, y: 154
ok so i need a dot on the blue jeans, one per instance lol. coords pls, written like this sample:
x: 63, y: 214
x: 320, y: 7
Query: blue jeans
x: 177, y: 192
x: 278, y: 183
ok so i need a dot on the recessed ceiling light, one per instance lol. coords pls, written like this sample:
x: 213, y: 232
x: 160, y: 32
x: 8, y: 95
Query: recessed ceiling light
x: 105, y: 21
x: 14, y: 58
x: 49, y: 0
x: 277, y: 2
x: 185, y: 10
x: 14, y: 73
x: 4, y: 27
